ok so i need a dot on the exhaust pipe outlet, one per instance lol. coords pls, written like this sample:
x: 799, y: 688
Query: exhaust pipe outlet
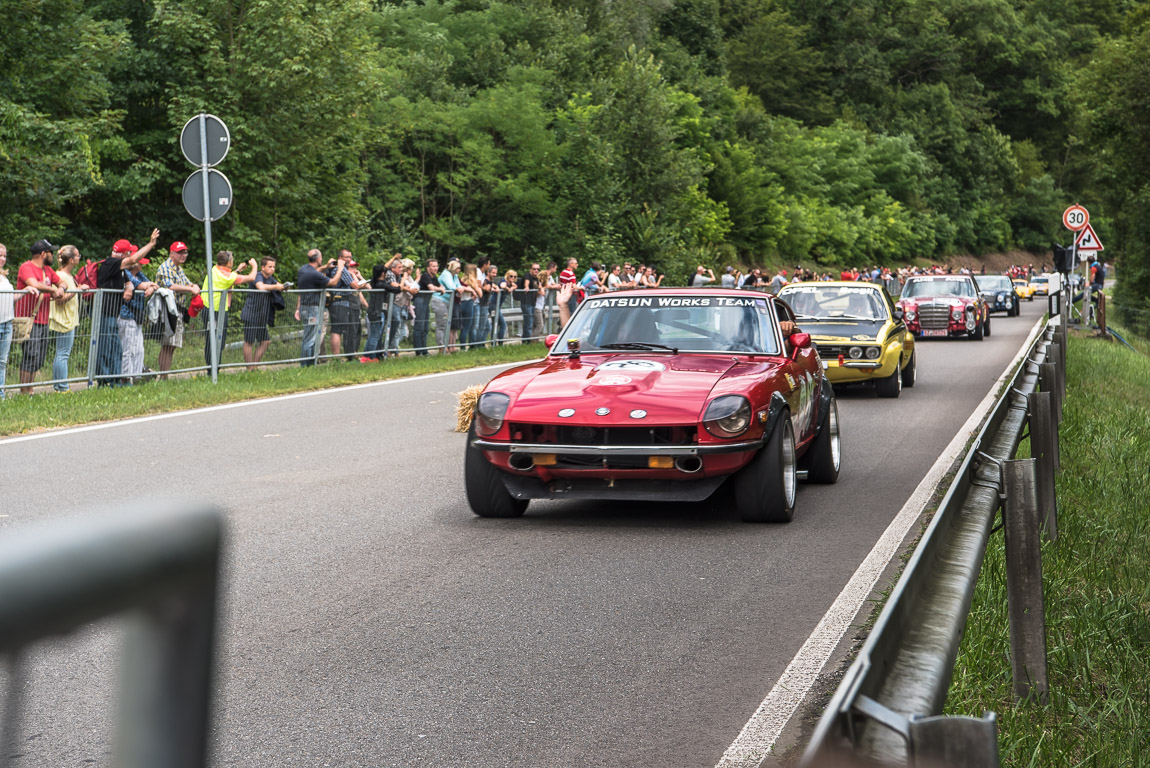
x: 689, y: 464
x: 521, y: 461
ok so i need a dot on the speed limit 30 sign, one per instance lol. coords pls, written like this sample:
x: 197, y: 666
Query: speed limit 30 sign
x: 1075, y: 217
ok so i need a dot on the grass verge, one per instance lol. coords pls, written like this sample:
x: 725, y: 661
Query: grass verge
x: 1095, y: 580
x: 19, y: 414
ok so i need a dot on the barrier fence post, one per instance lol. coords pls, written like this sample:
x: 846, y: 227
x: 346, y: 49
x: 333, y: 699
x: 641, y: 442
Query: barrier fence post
x: 447, y: 331
x: 387, y: 328
x: 1043, y: 447
x: 94, y: 342
x: 1102, y: 314
x: 1024, y: 582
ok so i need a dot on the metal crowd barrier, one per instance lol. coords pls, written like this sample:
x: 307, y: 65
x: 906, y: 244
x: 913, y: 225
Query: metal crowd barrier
x: 887, y: 709
x: 91, y: 355
x: 158, y: 569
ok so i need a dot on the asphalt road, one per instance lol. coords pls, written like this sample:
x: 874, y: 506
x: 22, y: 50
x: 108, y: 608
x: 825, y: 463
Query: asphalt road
x: 370, y: 620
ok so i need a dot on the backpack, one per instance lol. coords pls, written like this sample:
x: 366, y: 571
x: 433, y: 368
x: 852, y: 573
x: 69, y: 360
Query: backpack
x: 86, y: 275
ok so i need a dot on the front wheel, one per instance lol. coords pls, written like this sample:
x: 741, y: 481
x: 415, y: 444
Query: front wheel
x: 986, y: 327
x: 486, y: 494
x: 910, y: 372
x: 978, y: 332
x: 765, y: 489
x: 890, y: 386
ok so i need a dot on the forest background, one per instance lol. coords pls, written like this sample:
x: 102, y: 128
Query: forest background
x: 670, y: 132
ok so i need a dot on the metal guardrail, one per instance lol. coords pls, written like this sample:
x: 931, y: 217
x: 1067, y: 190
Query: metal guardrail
x: 160, y: 570
x: 888, y: 706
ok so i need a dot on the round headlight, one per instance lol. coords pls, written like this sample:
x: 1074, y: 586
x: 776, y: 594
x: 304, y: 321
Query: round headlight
x: 872, y: 353
x: 490, y: 411
x: 855, y: 353
x: 727, y: 416
x: 956, y: 313
x: 910, y: 315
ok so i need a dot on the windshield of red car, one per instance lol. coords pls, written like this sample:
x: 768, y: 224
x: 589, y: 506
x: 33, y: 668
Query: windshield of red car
x: 686, y: 323
x: 812, y: 301
x: 939, y: 286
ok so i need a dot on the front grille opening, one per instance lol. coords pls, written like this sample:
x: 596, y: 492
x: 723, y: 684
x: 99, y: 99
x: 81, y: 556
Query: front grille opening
x: 579, y: 434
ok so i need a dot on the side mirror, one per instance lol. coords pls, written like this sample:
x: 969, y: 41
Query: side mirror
x: 551, y: 339
x: 800, y: 341
x: 899, y: 314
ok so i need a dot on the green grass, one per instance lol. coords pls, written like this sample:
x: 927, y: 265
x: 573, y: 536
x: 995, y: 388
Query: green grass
x: 1096, y: 585
x: 19, y: 414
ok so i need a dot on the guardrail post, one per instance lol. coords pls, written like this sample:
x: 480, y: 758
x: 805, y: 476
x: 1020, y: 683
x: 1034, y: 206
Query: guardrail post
x: 1043, y: 447
x: 1024, y: 582
x: 1048, y: 380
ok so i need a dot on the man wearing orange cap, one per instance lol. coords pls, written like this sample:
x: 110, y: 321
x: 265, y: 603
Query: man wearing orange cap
x: 111, y: 280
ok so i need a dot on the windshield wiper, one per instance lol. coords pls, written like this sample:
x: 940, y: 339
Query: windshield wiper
x: 852, y: 317
x: 646, y: 345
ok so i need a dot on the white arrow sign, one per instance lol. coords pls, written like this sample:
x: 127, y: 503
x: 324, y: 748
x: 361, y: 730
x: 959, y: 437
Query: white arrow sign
x: 1087, y: 240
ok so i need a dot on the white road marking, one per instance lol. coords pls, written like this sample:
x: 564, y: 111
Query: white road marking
x: 759, y: 735
x: 245, y: 403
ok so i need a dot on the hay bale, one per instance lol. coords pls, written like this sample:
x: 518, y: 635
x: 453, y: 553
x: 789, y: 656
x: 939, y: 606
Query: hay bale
x: 465, y: 410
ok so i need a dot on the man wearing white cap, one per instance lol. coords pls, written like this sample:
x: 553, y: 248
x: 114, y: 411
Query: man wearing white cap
x: 171, y: 275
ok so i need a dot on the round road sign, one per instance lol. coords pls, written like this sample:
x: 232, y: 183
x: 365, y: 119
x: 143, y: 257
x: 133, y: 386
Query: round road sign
x: 219, y: 195
x: 1075, y: 217
x: 219, y: 140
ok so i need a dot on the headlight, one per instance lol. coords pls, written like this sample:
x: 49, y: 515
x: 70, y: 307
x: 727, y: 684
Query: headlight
x: 956, y: 313
x: 490, y: 411
x: 872, y: 353
x: 727, y: 416
x: 855, y: 353
x: 909, y: 314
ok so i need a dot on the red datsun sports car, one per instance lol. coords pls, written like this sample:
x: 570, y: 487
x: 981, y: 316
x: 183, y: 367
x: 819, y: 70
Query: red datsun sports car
x: 944, y: 305
x: 659, y: 395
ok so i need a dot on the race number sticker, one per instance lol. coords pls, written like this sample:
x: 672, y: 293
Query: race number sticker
x: 614, y: 380
x: 632, y: 365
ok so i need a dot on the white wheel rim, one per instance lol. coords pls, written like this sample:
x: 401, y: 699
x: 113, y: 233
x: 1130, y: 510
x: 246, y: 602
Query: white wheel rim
x: 790, y: 481
x: 833, y: 426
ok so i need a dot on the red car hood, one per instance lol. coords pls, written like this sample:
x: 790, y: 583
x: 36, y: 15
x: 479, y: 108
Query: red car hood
x: 672, y: 389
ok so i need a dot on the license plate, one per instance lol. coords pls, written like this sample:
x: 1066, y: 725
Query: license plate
x: 933, y: 332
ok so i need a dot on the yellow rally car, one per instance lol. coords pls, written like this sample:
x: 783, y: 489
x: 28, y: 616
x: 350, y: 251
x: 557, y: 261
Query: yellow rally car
x: 1024, y: 289
x: 861, y: 336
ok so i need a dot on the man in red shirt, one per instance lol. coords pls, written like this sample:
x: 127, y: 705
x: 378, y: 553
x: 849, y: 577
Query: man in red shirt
x: 36, y: 273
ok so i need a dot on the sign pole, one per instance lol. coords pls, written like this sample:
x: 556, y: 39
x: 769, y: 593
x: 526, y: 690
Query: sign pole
x: 213, y: 340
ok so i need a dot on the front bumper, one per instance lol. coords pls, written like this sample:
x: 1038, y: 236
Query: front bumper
x: 618, y: 450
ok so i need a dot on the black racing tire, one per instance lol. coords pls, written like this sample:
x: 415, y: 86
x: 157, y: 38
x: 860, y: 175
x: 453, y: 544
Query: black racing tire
x: 824, y: 456
x: 1030, y: 297
x: 766, y: 488
x: 986, y: 327
x: 889, y: 386
x: 910, y: 372
x: 486, y: 494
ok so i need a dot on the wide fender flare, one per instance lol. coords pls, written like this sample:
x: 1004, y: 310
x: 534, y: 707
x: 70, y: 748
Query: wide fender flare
x: 777, y: 407
x: 826, y: 395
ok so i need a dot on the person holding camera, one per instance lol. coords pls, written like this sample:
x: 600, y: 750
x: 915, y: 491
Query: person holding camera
x: 311, y: 283
x: 221, y: 280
